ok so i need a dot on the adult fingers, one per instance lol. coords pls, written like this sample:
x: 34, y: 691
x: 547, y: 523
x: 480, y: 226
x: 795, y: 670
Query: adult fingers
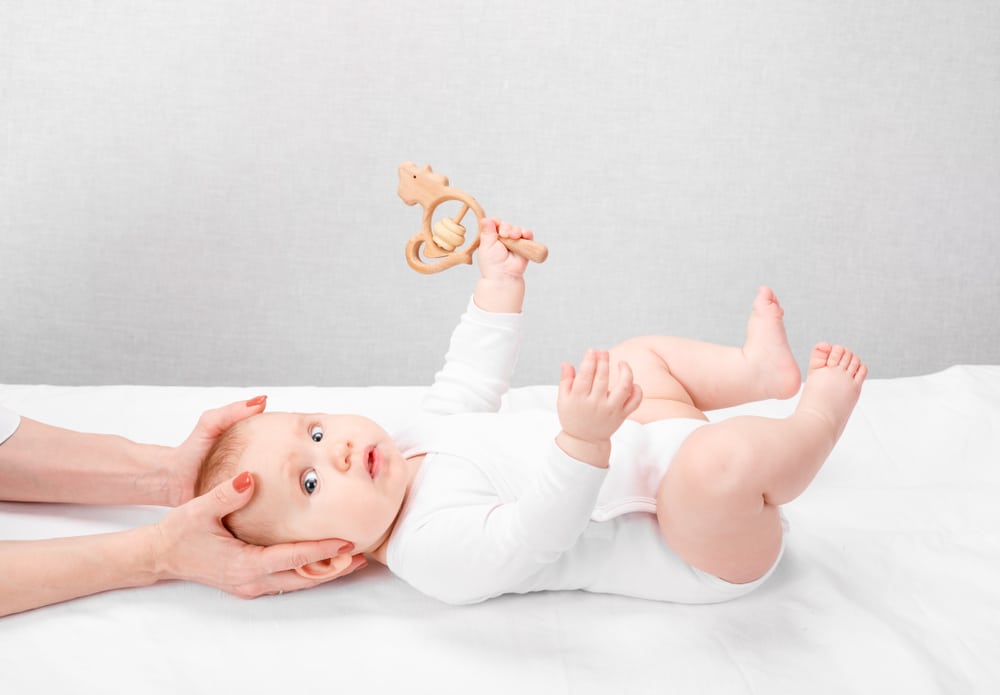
x: 214, y: 422
x: 288, y: 581
x: 226, y: 497
x: 286, y: 556
x: 358, y: 562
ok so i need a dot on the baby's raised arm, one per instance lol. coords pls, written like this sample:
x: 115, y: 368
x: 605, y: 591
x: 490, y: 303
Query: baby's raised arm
x: 483, y: 351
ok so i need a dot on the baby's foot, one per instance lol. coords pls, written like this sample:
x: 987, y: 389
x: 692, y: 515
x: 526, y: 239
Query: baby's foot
x: 833, y: 385
x: 767, y: 349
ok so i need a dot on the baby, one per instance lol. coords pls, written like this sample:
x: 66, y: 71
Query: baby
x: 626, y: 488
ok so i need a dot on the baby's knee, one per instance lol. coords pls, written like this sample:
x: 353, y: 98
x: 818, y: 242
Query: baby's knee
x: 651, y: 371
x: 636, y: 351
x: 715, y: 464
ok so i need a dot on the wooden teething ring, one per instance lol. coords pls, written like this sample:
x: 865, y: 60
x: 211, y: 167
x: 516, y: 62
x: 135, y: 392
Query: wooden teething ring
x: 445, y: 239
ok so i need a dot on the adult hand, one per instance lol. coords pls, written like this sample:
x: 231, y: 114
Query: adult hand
x: 191, y: 543
x: 183, y: 461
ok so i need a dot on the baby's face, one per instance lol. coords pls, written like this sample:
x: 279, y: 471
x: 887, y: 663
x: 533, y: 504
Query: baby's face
x: 325, y: 476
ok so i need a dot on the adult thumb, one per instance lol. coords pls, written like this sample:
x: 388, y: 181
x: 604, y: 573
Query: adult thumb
x: 230, y: 495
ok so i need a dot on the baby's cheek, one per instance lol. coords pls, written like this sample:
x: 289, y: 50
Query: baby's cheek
x: 250, y: 526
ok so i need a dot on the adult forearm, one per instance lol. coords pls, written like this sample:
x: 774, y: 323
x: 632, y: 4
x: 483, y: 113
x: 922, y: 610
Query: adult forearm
x: 42, y: 463
x: 39, y: 573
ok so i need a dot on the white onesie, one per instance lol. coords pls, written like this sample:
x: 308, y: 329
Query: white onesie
x: 498, y: 508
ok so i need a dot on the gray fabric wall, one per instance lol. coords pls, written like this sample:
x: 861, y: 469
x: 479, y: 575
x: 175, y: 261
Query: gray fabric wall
x: 204, y: 192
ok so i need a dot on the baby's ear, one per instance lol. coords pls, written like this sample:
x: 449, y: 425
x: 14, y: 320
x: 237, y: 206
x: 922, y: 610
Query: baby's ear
x: 326, y: 569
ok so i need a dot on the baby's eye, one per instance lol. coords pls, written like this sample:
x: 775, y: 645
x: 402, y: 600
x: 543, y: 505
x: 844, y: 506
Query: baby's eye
x: 316, y: 432
x: 310, y: 481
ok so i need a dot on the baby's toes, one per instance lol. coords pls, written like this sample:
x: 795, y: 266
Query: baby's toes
x: 836, y: 355
x: 845, y: 361
x: 862, y: 373
x: 854, y: 365
x: 819, y: 356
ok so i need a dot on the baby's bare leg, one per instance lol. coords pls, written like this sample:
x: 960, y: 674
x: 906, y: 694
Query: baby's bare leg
x: 718, y: 502
x: 682, y: 377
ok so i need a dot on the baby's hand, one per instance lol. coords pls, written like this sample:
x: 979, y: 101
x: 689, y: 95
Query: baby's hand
x: 589, y: 412
x: 496, y: 261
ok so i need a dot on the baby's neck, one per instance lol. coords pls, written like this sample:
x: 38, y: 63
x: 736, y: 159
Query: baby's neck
x: 379, y: 553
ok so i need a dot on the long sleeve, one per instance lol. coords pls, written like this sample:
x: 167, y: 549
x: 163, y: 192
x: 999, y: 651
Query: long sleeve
x: 497, y: 503
x: 478, y: 365
x: 468, y: 545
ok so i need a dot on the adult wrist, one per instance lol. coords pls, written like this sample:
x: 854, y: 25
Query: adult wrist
x: 163, y: 482
x: 149, y: 555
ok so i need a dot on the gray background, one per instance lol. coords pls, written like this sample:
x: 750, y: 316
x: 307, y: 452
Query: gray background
x: 205, y: 192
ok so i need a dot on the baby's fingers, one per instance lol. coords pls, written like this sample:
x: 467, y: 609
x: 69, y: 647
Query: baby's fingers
x: 488, y: 228
x: 601, y: 377
x: 566, y: 376
x: 514, y: 232
x: 634, y: 400
x: 623, y: 387
x: 585, y: 374
x: 626, y: 395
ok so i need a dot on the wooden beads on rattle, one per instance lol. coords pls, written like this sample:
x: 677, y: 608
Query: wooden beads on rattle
x: 448, y: 234
x: 445, y: 238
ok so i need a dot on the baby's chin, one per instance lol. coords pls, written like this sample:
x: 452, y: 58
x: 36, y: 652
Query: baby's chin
x: 373, y: 544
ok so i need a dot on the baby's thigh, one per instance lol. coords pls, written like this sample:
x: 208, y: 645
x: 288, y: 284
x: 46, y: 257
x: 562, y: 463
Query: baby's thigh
x: 711, y: 508
x: 663, y: 396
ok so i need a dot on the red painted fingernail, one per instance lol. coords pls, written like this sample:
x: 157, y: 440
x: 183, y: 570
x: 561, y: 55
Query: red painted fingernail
x: 256, y: 401
x: 242, y: 482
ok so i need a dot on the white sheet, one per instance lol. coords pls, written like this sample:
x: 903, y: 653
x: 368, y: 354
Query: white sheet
x: 891, y: 580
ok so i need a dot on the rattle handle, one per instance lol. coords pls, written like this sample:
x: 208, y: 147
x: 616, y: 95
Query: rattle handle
x: 527, y: 248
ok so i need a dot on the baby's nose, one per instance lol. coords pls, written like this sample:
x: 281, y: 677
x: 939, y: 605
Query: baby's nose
x: 341, y: 452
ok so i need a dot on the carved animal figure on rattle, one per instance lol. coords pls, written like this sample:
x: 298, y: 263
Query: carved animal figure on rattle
x: 444, y: 239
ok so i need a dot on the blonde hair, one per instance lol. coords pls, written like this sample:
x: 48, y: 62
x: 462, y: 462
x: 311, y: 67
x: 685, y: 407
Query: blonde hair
x: 221, y: 463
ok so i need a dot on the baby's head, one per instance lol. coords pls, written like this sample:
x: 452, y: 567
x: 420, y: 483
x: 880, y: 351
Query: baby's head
x: 316, y: 476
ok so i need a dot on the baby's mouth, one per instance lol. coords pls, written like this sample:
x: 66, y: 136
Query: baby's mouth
x: 371, y: 463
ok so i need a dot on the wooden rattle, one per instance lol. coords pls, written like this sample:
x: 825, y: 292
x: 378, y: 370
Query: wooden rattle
x: 444, y: 239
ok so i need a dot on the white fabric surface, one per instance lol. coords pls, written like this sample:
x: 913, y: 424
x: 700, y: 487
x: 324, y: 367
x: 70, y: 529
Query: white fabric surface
x: 890, y: 582
x: 9, y: 421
